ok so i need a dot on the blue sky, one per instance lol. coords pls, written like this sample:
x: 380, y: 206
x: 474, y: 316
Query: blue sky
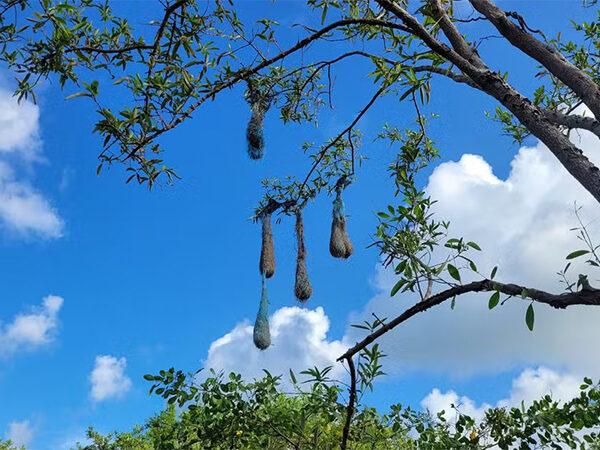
x: 150, y: 279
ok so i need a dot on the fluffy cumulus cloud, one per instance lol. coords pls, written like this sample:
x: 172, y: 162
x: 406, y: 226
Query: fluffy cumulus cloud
x: 24, y: 211
x: 299, y: 340
x: 530, y: 385
x: 108, y: 379
x: 20, y: 433
x: 522, y: 223
x: 31, y: 330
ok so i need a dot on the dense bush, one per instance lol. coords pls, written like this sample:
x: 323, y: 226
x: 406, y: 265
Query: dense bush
x: 225, y: 412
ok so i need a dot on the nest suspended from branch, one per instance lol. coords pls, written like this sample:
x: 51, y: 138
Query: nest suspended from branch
x: 255, y: 136
x: 262, y: 334
x: 302, y: 288
x: 267, y: 251
x: 259, y: 105
x: 339, y: 242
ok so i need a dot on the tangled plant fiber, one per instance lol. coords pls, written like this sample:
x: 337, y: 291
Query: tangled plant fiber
x: 339, y: 243
x: 302, y: 289
x: 267, y: 251
x: 262, y: 335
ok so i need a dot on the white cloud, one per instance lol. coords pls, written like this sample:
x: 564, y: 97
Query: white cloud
x: 522, y: 223
x: 24, y: 211
x: 299, y: 341
x: 451, y: 403
x: 20, y: 433
x: 530, y: 385
x: 19, y: 126
x: 108, y: 378
x: 31, y: 330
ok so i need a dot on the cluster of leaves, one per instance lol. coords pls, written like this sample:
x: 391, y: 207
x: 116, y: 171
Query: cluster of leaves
x: 546, y: 423
x: 227, y: 413
x: 408, y: 234
x: 8, y: 445
x: 145, y: 81
x: 589, y: 253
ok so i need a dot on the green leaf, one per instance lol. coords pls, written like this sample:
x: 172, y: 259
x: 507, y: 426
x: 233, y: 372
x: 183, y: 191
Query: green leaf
x: 494, y: 299
x: 397, y: 287
x: 494, y: 270
x: 577, y: 254
x: 79, y: 94
x: 474, y: 245
x: 324, y: 14
x: 120, y: 80
x: 293, y: 377
x: 453, y: 302
x: 453, y: 271
x: 529, y: 317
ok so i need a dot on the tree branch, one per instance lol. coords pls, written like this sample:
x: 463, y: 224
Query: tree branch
x: 340, y: 135
x: 247, y: 72
x: 108, y: 51
x: 530, y: 115
x: 573, y: 121
x: 457, y: 40
x: 549, y: 57
x: 589, y: 296
x: 351, y: 401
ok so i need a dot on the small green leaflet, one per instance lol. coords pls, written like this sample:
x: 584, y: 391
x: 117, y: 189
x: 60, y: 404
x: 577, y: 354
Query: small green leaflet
x: 397, y: 286
x: 79, y: 94
x: 474, y: 245
x: 494, y: 270
x: 494, y: 299
x: 529, y: 317
x: 453, y: 271
x: 577, y: 254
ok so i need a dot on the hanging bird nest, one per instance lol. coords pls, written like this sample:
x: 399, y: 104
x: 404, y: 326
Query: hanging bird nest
x: 339, y: 242
x: 259, y: 104
x: 302, y: 288
x: 262, y: 334
x: 255, y: 136
x: 267, y: 251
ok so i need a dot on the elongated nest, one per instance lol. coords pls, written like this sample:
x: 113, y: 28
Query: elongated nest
x: 267, y: 252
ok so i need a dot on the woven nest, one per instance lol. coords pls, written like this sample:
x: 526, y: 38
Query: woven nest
x: 255, y: 136
x: 262, y: 334
x: 302, y: 288
x: 267, y: 252
x: 339, y: 242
